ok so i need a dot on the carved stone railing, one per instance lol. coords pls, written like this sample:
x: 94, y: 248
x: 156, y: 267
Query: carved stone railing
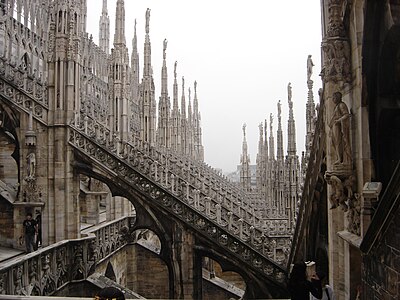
x: 181, y: 195
x: 26, y: 92
x: 45, y: 271
x: 303, y: 212
x: 166, y: 167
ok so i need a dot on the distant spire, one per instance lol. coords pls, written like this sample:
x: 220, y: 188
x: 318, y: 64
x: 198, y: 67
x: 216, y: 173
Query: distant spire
x: 183, y: 100
x: 135, y: 60
x: 164, y: 126
x: 175, y: 96
x: 291, y: 125
x: 245, y: 178
x: 260, y: 163
x: 279, y: 154
x: 199, y: 149
x: 104, y: 10
x: 190, y: 106
x: 271, y: 139
x: 104, y: 29
x: 175, y: 116
x: 147, y: 69
x: 164, y: 73
x: 310, y: 108
x: 119, y: 36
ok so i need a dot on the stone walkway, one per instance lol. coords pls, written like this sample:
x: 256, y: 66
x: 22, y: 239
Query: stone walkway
x: 7, y: 253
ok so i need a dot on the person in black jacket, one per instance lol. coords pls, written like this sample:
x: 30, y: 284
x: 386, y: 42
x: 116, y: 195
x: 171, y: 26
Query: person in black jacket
x: 298, y: 285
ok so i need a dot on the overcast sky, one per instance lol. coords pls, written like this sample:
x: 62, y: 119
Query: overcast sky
x: 242, y: 54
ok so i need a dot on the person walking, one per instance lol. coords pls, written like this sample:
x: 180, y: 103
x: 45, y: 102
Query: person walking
x: 30, y: 230
x: 298, y: 285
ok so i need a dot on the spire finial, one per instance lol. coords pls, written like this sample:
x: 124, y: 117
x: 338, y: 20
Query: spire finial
x: 271, y: 120
x: 176, y: 63
x: 165, y: 48
x: 195, y: 86
x: 244, y: 130
x: 104, y: 10
x: 135, y: 27
x: 148, y: 21
x: 189, y: 94
x: 279, y: 109
x: 289, y: 91
x: 310, y: 66
x: 183, y: 83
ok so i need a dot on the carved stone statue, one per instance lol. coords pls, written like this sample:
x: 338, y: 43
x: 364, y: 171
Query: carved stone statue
x: 279, y: 109
x: 340, y: 131
x: 147, y: 20
x: 244, y: 129
x: 31, y: 165
x: 271, y: 120
x: 337, y: 196
x: 176, y: 63
x: 289, y: 91
x: 310, y: 66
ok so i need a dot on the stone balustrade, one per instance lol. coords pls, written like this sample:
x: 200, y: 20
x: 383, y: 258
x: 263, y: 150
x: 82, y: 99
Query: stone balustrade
x: 43, y: 272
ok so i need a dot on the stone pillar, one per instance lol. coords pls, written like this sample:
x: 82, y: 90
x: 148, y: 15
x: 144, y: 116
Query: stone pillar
x: 340, y: 175
x: 187, y: 266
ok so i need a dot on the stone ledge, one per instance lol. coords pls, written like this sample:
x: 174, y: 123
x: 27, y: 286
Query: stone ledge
x: 351, y: 238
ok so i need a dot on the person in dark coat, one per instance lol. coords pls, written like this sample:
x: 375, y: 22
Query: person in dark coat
x: 298, y: 285
x: 110, y: 293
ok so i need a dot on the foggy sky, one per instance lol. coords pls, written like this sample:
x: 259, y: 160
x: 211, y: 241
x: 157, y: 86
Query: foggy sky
x: 242, y: 54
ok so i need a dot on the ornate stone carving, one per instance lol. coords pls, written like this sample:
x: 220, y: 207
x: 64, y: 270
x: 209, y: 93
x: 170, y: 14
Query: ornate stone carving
x: 3, y: 284
x: 336, y: 46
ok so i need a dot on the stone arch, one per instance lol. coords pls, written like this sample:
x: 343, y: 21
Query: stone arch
x: 231, y: 281
x: 146, y: 216
x: 256, y: 286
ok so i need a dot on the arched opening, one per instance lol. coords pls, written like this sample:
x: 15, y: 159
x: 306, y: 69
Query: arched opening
x: 220, y: 284
x: 97, y: 205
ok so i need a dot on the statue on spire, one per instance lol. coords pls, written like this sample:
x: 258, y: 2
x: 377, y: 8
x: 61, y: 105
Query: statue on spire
x: 189, y: 93
x: 310, y: 65
x: 135, y: 27
x: 271, y: 120
x: 176, y: 63
x: 147, y: 20
x: 289, y: 91
x: 165, y: 48
x: 244, y: 130
x: 260, y: 127
x: 279, y: 108
x: 183, y: 83
x: 195, y: 86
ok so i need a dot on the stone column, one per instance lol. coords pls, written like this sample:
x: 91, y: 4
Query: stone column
x: 340, y: 175
x: 186, y: 265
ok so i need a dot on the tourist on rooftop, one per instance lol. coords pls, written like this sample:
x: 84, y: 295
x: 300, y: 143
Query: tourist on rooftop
x: 300, y: 287
x: 30, y: 231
